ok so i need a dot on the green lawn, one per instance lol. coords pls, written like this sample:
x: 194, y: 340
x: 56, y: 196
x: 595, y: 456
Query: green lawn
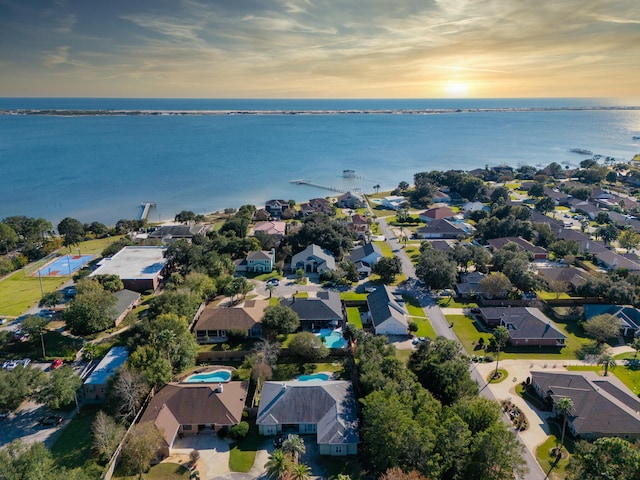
x: 465, y: 329
x: 161, y: 471
x: 92, y: 247
x: 20, y: 291
x: 385, y: 248
x: 627, y: 375
x: 72, y: 449
x: 552, y: 295
x: 425, y: 329
x: 451, y: 302
x: 243, y: 454
x: 555, y: 470
x: 346, y: 296
x: 353, y: 317
x: 56, y: 345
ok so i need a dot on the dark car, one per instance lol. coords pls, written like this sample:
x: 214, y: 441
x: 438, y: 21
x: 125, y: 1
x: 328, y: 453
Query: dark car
x: 51, y: 420
x: 277, y: 442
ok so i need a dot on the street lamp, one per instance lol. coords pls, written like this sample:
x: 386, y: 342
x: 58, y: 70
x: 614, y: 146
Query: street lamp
x: 40, y: 278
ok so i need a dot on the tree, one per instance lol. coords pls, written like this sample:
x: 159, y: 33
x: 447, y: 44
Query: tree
x: 606, y: 458
x: 71, y: 230
x: 277, y: 465
x: 376, y: 187
x: 403, y: 186
x: 294, y: 446
x: 8, y: 238
x: 125, y: 392
x: 152, y: 364
x: 19, y: 384
x: 300, y: 471
x: 608, y: 361
x: 106, y: 434
x: 602, y: 327
x: 60, y: 388
x: 92, y: 310
x: 563, y: 407
x: 388, y: 268
x: 435, y: 269
x: 500, y: 195
x: 52, y: 299
x: 495, y: 454
x: 396, y: 473
x: 545, y: 204
x: 140, y: 447
x: 270, y: 288
x: 501, y: 335
x: 611, y: 176
x: 308, y: 347
x: 496, y: 285
x: 279, y: 319
x: 607, y: 232
x: 629, y: 239
x: 26, y: 461
x: 35, y: 326
x: 111, y: 283
x: 537, y: 190
x: 636, y: 346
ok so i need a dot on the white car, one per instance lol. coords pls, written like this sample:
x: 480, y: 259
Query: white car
x: 12, y: 365
x: 274, y: 281
x: 26, y: 361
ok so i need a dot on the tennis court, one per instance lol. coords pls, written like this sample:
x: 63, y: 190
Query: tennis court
x: 64, y: 266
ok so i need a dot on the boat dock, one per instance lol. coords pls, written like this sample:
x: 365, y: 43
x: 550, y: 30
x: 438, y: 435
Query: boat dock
x: 311, y: 184
x: 146, y: 207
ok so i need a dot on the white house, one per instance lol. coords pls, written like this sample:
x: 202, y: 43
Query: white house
x: 387, y: 315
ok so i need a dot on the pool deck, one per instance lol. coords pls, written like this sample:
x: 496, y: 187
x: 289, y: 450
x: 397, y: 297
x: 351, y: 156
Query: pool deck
x: 206, y: 370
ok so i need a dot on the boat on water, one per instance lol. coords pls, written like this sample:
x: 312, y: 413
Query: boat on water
x: 636, y: 137
x: 349, y: 173
x: 581, y: 151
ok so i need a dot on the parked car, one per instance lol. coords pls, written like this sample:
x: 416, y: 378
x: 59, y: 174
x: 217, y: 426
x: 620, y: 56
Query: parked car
x: 3, y: 321
x: 47, y: 313
x: 277, y: 442
x: 51, y: 420
x: 26, y: 361
x: 12, y: 365
x: 274, y: 281
x: 57, y: 363
x: 20, y: 336
x: 370, y: 289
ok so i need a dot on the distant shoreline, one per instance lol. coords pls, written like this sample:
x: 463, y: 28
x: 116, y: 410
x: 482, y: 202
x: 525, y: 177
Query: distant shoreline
x: 427, y: 111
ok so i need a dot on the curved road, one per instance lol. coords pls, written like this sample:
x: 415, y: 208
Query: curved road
x: 441, y: 326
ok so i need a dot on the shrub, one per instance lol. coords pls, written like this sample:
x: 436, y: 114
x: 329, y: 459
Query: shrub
x: 223, y: 432
x: 240, y: 430
x: 413, y: 326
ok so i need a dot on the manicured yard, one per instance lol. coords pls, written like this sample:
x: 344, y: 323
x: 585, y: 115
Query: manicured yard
x: 72, y: 449
x: 243, y: 454
x: 346, y: 296
x: 627, y: 375
x: 417, y: 315
x: 552, y: 295
x: 161, y: 471
x: 385, y: 248
x: 20, y: 291
x: 92, y: 247
x: 469, y: 335
x: 451, y: 302
x: 353, y: 317
x: 548, y: 460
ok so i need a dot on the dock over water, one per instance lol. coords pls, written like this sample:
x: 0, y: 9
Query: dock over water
x: 146, y: 207
x: 311, y: 184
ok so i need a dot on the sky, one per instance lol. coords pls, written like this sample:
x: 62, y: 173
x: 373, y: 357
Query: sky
x: 320, y: 48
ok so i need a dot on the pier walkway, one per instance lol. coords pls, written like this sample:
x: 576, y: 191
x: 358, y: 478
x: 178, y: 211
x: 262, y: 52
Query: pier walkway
x: 311, y: 184
x: 146, y: 207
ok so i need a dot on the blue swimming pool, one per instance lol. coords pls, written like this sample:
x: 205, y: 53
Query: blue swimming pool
x: 219, y: 376
x: 334, y: 340
x: 316, y: 376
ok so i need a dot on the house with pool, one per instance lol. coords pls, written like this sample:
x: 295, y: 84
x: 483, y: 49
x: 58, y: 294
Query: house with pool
x: 214, y: 323
x: 324, y: 310
x: 324, y: 408
x: 200, y: 405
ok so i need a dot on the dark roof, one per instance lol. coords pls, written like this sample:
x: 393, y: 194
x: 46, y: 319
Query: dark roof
x: 537, y: 217
x: 440, y: 226
x: 365, y: 250
x: 563, y: 274
x: 177, y: 231
x: 124, y: 299
x: 629, y: 316
x: 438, y: 212
x: 329, y: 404
x: 524, y: 322
x: 244, y: 317
x: 383, y: 305
x: 615, y: 260
x: 441, y: 245
x: 259, y: 255
x: 601, y: 405
x: 499, y: 243
x: 194, y: 404
x: 327, y: 306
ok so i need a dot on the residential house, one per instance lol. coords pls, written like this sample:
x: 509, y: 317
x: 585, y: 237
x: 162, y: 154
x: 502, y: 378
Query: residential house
x: 169, y: 233
x: 538, y: 253
x: 527, y: 326
x: 440, y: 197
x: 442, y: 245
x: 537, y: 217
x: 436, y: 214
x: 214, y: 323
x: 470, y: 285
x: 325, y: 310
x: 623, y: 221
x: 360, y: 225
x: 365, y: 257
x: 584, y: 207
x: 473, y: 207
x: 387, y: 315
x: 258, y: 261
x: 139, y: 268
x: 612, y: 260
x: 351, y: 200
x: 393, y: 202
x: 440, y: 229
x: 326, y: 409
x: 179, y: 409
x: 126, y: 300
x: 560, y: 198
x: 629, y: 317
x: 261, y: 215
x: 313, y: 259
x: 274, y: 228
x: 602, y: 406
x: 567, y: 275
x: 94, y: 388
x: 276, y: 207
x: 322, y: 205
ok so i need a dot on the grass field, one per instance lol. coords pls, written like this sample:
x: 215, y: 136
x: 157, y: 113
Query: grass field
x: 425, y: 329
x: 161, y: 471
x: 353, y: 317
x: 72, y: 449
x: 243, y: 453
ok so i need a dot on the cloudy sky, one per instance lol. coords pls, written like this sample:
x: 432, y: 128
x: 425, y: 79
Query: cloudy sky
x: 320, y: 48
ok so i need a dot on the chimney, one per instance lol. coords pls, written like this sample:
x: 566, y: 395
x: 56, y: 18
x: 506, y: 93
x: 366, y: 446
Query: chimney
x: 219, y: 388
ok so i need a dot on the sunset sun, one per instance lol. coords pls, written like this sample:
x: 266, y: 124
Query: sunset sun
x: 457, y: 89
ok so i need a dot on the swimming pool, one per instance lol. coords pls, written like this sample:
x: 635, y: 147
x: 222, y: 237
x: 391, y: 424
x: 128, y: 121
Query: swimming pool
x: 334, y: 339
x: 219, y: 376
x: 316, y: 376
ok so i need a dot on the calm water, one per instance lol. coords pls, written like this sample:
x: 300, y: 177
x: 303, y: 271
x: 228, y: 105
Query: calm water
x: 102, y: 167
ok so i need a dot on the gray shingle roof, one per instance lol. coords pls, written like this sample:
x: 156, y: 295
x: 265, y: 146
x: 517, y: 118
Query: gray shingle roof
x: 365, y: 250
x: 330, y: 405
x: 326, y: 306
x: 177, y: 231
x: 524, y: 322
x: 383, y: 306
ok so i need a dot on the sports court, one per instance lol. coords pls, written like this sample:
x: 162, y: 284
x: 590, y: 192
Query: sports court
x: 64, y: 265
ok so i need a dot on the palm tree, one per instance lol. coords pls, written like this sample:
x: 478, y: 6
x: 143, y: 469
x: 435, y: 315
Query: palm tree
x: 501, y: 334
x: 294, y: 445
x: 564, y: 406
x: 376, y: 187
x: 608, y: 362
x: 278, y: 465
x: 270, y: 287
x: 300, y: 472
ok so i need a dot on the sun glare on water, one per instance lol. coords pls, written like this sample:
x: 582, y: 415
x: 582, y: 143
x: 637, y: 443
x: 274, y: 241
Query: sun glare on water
x: 457, y: 90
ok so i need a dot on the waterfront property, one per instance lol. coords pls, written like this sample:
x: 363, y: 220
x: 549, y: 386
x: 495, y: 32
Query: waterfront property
x: 352, y: 200
x: 602, y: 406
x: 194, y: 408
x: 139, y: 268
x: 257, y: 261
x: 94, y: 387
x: 324, y: 408
x: 171, y: 233
x: 214, y: 323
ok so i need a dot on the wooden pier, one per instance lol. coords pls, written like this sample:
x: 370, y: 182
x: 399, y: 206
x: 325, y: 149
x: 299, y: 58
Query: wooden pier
x: 146, y: 207
x: 311, y: 184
